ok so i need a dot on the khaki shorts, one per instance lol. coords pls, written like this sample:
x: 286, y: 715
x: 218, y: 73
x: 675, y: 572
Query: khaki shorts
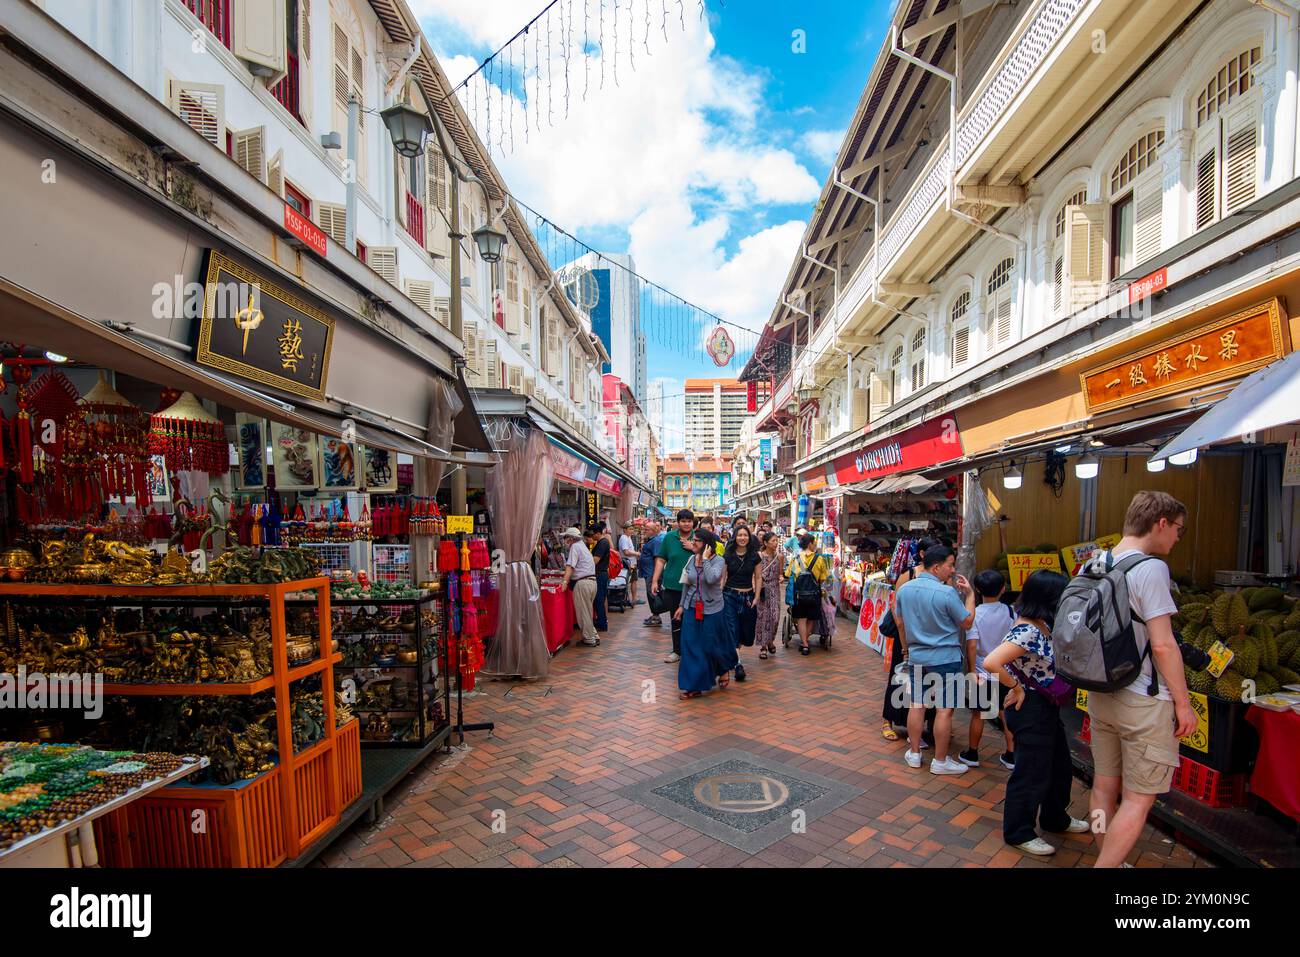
x: 1133, y: 739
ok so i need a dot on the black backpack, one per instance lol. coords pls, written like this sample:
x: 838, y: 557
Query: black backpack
x: 1094, y: 642
x: 806, y: 586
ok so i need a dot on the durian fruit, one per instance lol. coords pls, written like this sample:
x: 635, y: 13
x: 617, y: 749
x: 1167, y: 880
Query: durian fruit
x: 1264, y: 598
x: 1265, y: 683
x: 1293, y: 617
x: 1286, y: 676
x: 1219, y: 615
x: 1294, y: 661
x: 1267, y: 647
x: 1201, y: 681
x: 1229, y: 686
x: 1287, y: 641
x: 1247, y: 651
x: 1277, y: 621
x: 1195, y: 614
x: 1208, y: 636
x: 1247, y: 594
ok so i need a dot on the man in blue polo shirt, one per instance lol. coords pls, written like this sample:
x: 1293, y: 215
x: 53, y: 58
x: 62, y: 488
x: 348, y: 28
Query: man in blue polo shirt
x: 645, y: 566
x: 931, y: 618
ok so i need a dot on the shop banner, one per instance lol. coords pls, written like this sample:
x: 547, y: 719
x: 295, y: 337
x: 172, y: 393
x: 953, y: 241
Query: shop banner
x: 608, y: 483
x: 877, y: 598
x: 833, y: 514
x: 591, y: 509
x: 255, y: 328
x: 1022, y: 566
x: 765, y: 455
x: 1226, y: 349
x: 815, y: 482
x: 1076, y: 555
x: 568, y: 467
x: 780, y: 496
x: 751, y: 396
x: 920, y: 447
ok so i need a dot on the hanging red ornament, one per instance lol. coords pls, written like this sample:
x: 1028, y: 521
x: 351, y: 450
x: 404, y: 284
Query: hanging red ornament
x: 190, y: 437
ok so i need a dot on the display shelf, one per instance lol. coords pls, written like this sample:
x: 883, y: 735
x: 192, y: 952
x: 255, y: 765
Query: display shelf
x: 307, y: 783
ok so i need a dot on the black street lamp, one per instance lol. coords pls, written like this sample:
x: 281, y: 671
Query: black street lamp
x: 490, y: 242
x: 408, y: 127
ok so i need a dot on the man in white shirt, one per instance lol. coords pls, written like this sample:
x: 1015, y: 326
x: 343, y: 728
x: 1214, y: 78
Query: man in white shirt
x: 1135, y: 733
x: 630, y: 554
x: 580, y: 575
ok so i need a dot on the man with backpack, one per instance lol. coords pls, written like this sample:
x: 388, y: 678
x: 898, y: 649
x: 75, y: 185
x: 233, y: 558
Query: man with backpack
x: 1114, y: 638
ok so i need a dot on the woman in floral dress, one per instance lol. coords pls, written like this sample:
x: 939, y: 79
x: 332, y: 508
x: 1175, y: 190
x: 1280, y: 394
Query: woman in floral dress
x: 770, y: 594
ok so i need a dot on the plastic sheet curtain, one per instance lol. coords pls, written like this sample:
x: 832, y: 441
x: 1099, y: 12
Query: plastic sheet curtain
x: 445, y: 404
x: 623, y: 513
x: 517, y: 492
x: 977, y: 517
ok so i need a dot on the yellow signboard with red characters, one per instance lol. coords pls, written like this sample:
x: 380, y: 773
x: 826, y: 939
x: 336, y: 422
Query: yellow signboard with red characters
x: 1021, y: 566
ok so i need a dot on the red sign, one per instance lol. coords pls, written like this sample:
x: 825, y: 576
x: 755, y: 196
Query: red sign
x: 1148, y: 285
x: 920, y: 447
x: 751, y: 394
x: 304, y: 229
x: 608, y: 483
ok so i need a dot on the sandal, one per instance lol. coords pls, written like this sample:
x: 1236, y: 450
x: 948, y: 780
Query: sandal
x: 724, y: 680
x: 689, y: 694
x: 805, y: 650
x: 888, y: 733
x: 762, y: 654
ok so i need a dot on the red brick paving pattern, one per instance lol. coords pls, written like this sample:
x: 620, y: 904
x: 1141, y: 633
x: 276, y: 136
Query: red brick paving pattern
x: 556, y: 762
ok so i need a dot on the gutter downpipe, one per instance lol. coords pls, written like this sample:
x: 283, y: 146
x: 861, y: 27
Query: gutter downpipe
x: 838, y: 180
x: 1022, y: 245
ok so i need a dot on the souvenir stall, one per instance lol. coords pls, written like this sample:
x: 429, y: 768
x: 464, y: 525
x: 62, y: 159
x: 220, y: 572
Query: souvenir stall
x: 216, y: 567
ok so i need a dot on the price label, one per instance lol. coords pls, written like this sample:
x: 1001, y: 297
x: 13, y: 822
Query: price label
x: 460, y: 523
x: 1199, y: 740
x: 1081, y: 700
x: 1220, y: 657
x: 1022, y: 566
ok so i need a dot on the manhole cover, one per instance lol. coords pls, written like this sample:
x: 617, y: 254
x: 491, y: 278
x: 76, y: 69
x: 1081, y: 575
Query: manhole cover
x: 741, y: 793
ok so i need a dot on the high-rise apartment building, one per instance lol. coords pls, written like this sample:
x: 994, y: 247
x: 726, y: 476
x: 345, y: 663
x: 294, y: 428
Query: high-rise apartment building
x: 610, y: 283
x: 716, y: 410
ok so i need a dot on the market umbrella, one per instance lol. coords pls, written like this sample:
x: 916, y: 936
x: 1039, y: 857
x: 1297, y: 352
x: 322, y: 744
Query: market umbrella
x: 1268, y: 398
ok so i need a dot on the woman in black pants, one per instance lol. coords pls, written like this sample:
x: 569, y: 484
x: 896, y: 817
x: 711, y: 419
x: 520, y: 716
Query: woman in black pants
x: 1039, y: 789
x: 895, y: 712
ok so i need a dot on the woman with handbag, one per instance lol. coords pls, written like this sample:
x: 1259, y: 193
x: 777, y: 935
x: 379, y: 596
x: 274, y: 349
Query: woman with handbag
x: 1038, y: 791
x: 707, y: 657
x: 807, y: 573
x: 739, y: 590
x: 767, y: 594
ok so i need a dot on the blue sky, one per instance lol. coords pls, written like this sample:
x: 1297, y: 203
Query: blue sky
x: 704, y: 162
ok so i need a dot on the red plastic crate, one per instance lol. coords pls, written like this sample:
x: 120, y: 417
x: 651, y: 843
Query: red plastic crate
x: 1209, y: 786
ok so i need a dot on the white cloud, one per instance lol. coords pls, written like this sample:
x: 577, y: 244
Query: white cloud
x: 491, y: 24
x: 823, y: 145
x: 458, y: 67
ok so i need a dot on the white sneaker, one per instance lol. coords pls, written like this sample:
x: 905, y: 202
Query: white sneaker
x: 1078, y: 827
x: 947, y: 766
x: 1038, y: 847
x: 673, y: 658
x: 913, y: 758
x: 591, y: 641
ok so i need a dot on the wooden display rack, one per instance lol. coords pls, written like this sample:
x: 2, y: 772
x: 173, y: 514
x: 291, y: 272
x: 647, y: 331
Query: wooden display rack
x: 258, y: 823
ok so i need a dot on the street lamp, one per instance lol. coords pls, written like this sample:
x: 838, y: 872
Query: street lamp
x: 408, y: 127
x: 490, y: 242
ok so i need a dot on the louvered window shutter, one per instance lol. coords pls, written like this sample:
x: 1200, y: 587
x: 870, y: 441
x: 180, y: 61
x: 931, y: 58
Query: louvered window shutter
x: 383, y: 260
x: 526, y: 322
x: 960, y: 345
x: 435, y: 225
x: 881, y: 395
x: 1241, y: 159
x: 203, y: 107
x: 332, y: 218
x: 1004, y: 318
x: 250, y: 151
x: 420, y: 292
x: 275, y: 173
x: 442, y: 310
x: 359, y: 87
x: 1085, y: 252
x: 1058, y: 283
x: 1207, y: 183
x: 1148, y: 214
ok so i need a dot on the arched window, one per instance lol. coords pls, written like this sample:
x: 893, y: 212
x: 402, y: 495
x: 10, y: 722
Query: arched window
x: 918, y: 360
x: 1060, y: 290
x: 896, y: 372
x: 1136, y: 204
x: 960, y: 345
x: 997, y: 305
x: 1228, y: 124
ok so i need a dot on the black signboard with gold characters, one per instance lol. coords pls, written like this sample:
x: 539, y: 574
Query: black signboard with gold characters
x: 259, y: 330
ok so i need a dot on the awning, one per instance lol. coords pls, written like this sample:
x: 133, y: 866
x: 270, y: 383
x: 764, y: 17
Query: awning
x: 1265, y: 399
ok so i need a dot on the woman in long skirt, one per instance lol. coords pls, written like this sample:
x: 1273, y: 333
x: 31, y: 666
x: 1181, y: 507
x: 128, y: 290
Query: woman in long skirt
x: 705, y: 659
x: 769, y: 594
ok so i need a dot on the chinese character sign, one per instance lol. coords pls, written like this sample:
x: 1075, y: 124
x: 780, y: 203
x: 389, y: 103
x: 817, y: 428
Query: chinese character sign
x: 1231, y: 347
x: 1075, y: 555
x: 1022, y: 566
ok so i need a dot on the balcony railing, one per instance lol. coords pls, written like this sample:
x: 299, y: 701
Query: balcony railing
x: 415, y: 219
x: 288, y: 91
x: 215, y: 15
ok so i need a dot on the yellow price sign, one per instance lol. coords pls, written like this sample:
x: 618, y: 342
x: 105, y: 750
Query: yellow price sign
x: 1199, y: 740
x: 1081, y: 700
x: 460, y: 523
x: 1076, y: 555
x: 1022, y: 566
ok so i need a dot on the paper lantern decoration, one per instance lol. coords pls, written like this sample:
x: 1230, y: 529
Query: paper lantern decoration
x: 190, y: 437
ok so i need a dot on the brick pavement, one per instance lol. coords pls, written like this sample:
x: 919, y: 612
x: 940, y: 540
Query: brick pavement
x: 564, y: 747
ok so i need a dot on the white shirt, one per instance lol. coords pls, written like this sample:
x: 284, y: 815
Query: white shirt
x: 584, y: 566
x: 625, y: 545
x: 992, y: 622
x: 1150, y: 595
